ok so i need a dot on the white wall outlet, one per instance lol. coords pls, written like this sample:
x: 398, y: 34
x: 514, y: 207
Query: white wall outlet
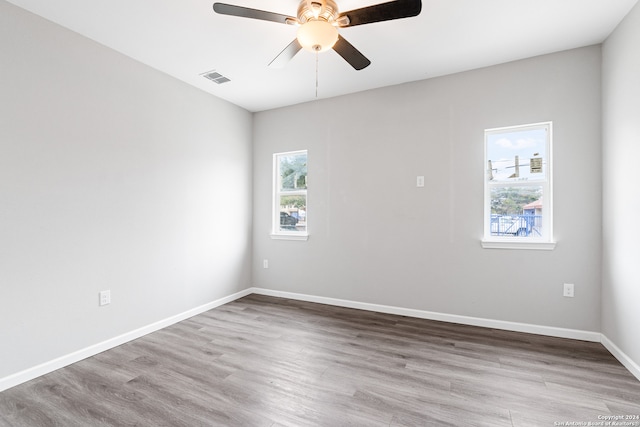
x: 420, y: 181
x: 265, y: 263
x: 568, y: 290
x: 105, y: 297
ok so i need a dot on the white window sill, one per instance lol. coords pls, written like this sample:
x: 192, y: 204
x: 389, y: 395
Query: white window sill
x: 504, y: 244
x: 297, y: 236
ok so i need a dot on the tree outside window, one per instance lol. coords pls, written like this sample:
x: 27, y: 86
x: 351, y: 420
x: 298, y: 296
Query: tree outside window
x: 290, y: 193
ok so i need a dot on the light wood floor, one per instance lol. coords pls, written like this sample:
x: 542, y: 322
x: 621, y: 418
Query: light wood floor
x: 263, y: 361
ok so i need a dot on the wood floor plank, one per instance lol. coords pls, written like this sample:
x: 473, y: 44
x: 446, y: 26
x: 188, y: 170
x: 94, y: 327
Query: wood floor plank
x: 271, y: 362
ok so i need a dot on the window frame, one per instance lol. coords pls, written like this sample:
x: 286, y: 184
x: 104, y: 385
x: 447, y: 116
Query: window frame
x: 276, y: 232
x: 545, y: 242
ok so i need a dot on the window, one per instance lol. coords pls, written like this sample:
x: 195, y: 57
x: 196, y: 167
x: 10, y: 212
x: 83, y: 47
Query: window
x: 517, y: 190
x: 290, y: 195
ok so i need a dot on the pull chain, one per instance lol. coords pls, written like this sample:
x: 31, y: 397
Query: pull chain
x: 316, y: 74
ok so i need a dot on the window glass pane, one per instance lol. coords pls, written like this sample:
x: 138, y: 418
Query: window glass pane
x: 517, y: 155
x: 293, y: 213
x: 293, y: 172
x: 516, y: 211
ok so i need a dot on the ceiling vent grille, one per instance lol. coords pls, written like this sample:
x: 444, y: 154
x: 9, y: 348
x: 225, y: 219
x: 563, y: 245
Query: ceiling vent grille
x: 215, y: 77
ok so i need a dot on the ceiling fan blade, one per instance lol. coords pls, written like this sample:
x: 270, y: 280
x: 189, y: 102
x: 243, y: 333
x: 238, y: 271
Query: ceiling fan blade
x: 351, y: 54
x: 245, y: 12
x: 286, y: 55
x: 383, y: 12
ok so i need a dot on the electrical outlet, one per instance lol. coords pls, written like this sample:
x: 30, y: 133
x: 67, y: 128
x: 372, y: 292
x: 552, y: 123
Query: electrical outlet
x: 105, y: 297
x: 265, y: 263
x: 568, y: 290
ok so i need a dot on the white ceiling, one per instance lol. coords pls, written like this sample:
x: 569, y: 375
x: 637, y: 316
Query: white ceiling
x: 185, y: 38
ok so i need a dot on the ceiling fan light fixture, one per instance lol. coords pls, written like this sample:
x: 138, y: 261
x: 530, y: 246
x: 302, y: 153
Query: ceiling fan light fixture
x: 318, y: 22
x: 317, y: 36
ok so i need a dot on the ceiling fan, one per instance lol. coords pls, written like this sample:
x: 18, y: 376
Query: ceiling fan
x: 318, y: 22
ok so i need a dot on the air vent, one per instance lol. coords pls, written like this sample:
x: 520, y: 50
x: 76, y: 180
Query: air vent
x: 215, y: 77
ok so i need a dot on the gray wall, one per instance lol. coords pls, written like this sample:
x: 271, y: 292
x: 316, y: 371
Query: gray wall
x: 621, y: 196
x: 376, y: 238
x: 112, y: 176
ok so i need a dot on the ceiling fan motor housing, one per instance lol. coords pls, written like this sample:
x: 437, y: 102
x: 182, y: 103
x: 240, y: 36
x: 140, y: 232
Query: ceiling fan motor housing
x: 310, y: 10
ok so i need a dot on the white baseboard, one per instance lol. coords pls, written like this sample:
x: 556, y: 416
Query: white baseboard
x: 443, y: 317
x: 60, y: 362
x: 576, y: 334
x: 626, y: 361
x: 50, y: 366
